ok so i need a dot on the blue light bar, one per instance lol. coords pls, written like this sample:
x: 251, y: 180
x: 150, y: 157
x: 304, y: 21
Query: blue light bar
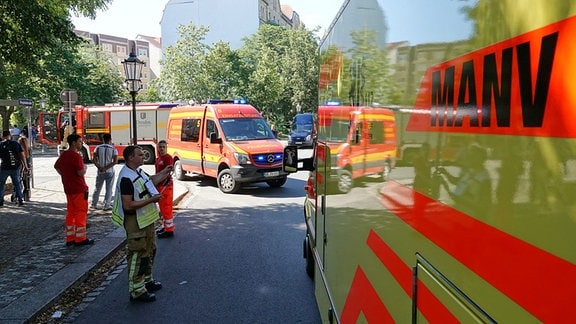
x: 332, y: 103
x: 240, y: 101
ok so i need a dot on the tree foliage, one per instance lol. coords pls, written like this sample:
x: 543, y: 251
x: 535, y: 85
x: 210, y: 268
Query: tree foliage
x: 84, y: 68
x: 181, y: 78
x: 276, y: 69
x: 40, y: 55
x: 30, y: 28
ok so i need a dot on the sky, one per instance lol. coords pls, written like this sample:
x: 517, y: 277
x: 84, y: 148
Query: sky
x: 145, y: 18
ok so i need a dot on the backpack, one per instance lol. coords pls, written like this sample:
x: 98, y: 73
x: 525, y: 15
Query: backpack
x: 9, y: 155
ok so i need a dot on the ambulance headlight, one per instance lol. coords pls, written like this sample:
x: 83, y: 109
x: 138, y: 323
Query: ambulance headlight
x: 242, y: 158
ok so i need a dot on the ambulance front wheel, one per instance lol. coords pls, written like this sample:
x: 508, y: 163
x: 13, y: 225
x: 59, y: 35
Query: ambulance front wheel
x: 345, y: 181
x: 226, y: 182
x: 277, y: 182
x: 178, y: 172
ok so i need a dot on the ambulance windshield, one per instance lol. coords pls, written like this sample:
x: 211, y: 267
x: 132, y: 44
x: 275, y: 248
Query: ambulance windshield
x: 239, y: 129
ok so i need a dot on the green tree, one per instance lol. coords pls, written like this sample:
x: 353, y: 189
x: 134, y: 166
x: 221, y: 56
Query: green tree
x: 37, y: 47
x: 85, y: 68
x: 221, y: 72
x: 302, y: 70
x: 265, y: 84
x: 95, y: 77
x: 284, y: 72
x: 31, y: 28
x: 276, y: 69
x: 182, y: 66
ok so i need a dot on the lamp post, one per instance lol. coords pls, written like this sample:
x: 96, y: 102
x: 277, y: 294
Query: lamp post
x: 133, y: 70
x: 41, y: 127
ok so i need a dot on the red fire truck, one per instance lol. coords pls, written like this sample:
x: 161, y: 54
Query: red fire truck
x: 94, y: 121
x: 487, y: 237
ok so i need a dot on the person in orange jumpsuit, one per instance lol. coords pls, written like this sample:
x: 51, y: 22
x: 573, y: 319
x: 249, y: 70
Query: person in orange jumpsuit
x: 72, y: 169
x: 166, y: 188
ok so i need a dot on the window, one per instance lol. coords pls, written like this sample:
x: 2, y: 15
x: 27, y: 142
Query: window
x: 190, y: 130
x: 106, y: 47
x: 357, y: 135
x: 121, y: 50
x: 142, y: 52
x: 211, y: 128
x: 376, y: 132
x: 95, y: 120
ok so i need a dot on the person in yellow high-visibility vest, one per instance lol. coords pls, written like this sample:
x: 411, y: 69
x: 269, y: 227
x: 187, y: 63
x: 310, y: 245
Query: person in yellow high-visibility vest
x: 135, y: 208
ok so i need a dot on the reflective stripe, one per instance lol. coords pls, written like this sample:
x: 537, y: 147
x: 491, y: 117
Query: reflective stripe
x: 135, y: 282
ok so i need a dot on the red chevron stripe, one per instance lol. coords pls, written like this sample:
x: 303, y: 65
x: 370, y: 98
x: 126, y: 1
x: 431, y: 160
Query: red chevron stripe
x: 428, y: 304
x: 537, y: 280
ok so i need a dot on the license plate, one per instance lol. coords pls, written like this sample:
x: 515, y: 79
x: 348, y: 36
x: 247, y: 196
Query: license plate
x: 298, y: 142
x: 272, y: 174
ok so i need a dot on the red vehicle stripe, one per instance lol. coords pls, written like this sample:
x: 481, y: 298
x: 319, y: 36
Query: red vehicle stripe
x: 363, y: 298
x: 539, y: 281
x: 428, y: 304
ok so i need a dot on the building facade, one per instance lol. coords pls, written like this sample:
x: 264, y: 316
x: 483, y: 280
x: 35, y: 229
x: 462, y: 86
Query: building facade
x: 119, y: 49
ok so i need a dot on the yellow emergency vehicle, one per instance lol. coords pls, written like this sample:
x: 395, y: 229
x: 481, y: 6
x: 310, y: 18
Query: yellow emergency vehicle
x: 482, y: 231
x: 226, y: 140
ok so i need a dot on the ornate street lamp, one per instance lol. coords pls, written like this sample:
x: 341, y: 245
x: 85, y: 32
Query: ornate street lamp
x: 133, y: 70
x: 41, y: 127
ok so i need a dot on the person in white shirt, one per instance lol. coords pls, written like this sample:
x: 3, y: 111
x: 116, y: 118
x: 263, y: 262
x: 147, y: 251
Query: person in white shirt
x: 15, y: 132
x: 105, y: 158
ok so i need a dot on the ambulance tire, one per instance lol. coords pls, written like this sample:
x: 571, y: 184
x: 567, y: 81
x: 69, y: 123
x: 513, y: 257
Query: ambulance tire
x: 149, y: 157
x: 178, y: 172
x: 276, y: 183
x: 309, y: 259
x: 226, y: 182
x: 345, y: 181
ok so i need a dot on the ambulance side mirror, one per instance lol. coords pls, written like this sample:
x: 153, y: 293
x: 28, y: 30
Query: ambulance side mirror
x: 291, y: 161
x: 214, y: 138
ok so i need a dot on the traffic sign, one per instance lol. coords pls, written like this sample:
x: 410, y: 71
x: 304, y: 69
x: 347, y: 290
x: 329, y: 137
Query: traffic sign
x: 25, y: 102
x: 68, y: 96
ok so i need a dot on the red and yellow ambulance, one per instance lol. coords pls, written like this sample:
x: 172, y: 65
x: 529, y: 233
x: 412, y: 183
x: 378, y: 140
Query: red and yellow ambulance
x: 362, y: 141
x: 226, y: 140
x: 482, y: 232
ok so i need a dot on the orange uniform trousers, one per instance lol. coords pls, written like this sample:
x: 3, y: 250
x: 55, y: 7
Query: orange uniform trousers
x: 165, y: 205
x: 76, y: 215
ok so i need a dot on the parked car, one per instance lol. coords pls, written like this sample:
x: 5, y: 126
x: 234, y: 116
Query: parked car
x: 302, y: 130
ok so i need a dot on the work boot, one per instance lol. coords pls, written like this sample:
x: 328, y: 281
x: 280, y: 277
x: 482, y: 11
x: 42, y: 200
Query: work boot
x: 144, y: 298
x: 165, y: 234
x: 20, y: 203
x: 153, y: 286
x: 85, y: 242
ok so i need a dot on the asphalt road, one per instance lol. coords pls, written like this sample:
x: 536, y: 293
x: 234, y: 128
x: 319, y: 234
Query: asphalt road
x: 234, y: 259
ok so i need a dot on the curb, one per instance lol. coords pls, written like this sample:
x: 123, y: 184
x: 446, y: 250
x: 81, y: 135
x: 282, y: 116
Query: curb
x: 47, y: 293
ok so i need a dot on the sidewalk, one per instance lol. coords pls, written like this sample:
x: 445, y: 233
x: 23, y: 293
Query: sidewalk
x: 35, y: 265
